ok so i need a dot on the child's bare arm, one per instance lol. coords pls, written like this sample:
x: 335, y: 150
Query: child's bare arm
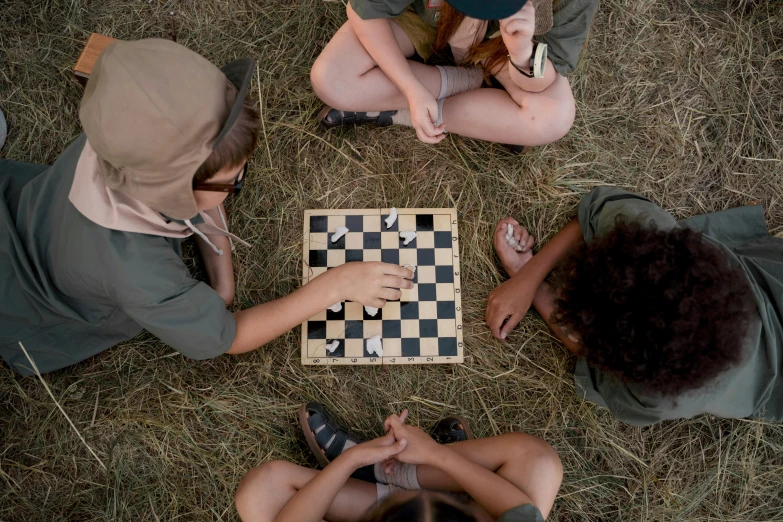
x: 509, y: 302
x: 544, y: 303
x: 220, y: 269
x: 377, y: 37
x: 367, y: 283
x: 312, y: 502
x: 494, y: 493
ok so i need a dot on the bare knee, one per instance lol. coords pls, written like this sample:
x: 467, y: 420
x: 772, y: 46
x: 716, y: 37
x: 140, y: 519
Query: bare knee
x: 320, y: 78
x: 542, y: 124
x: 332, y: 81
x: 542, y: 457
x: 257, y: 485
x: 563, y: 120
x: 543, y: 117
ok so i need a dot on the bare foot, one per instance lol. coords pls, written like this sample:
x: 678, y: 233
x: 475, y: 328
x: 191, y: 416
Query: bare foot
x: 511, y: 258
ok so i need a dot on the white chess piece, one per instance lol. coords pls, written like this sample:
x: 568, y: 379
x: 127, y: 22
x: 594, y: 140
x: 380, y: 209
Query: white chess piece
x: 374, y: 345
x: 371, y: 311
x: 331, y: 347
x: 336, y: 307
x: 407, y: 237
x: 392, y: 217
x: 511, y: 240
x: 340, y: 232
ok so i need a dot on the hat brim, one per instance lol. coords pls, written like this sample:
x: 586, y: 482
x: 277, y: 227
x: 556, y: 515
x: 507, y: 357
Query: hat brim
x: 484, y: 10
x: 239, y: 73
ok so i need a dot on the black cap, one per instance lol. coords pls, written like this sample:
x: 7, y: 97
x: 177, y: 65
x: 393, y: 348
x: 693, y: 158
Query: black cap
x: 239, y: 73
x: 488, y: 9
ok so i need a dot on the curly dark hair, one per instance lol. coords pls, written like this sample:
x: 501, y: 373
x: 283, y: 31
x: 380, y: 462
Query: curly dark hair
x: 662, y: 309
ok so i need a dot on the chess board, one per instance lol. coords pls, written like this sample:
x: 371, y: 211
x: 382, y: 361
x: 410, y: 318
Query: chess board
x: 425, y: 325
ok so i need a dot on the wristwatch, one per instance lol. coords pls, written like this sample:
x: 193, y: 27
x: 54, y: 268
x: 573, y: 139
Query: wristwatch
x: 537, y: 62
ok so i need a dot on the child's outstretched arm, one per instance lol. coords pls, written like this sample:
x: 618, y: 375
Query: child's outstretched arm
x: 509, y: 302
x: 366, y: 283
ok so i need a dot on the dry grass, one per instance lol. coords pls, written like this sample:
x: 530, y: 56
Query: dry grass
x: 679, y: 100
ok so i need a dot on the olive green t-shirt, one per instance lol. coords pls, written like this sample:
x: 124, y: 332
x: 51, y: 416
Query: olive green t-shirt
x: 571, y: 21
x: 523, y: 513
x: 753, y: 388
x: 70, y: 288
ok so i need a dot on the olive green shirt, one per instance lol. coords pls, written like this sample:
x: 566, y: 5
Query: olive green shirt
x: 571, y: 21
x: 752, y: 389
x: 70, y: 288
x: 523, y: 513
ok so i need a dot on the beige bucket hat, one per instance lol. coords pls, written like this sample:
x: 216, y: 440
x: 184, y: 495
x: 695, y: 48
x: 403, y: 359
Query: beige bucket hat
x: 153, y: 111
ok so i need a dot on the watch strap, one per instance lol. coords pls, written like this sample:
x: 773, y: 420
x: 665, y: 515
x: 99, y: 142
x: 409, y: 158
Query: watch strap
x: 529, y: 72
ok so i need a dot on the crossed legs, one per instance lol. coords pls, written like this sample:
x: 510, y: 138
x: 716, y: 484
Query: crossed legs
x: 527, y: 461
x: 346, y: 77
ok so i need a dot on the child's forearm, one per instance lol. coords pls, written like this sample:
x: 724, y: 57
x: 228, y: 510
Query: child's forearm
x: 258, y: 325
x: 530, y: 84
x: 310, y: 503
x: 220, y: 269
x: 493, y: 493
x: 544, y: 303
x: 551, y: 254
x: 379, y: 41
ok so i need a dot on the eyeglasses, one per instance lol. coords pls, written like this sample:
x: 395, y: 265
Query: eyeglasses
x: 232, y: 188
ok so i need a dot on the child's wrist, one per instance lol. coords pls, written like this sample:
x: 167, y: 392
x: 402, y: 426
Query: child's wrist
x: 439, y: 456
x: 413, y: 89
x: 521, y: 56
x: 348, y: 461
x: 337, y: 283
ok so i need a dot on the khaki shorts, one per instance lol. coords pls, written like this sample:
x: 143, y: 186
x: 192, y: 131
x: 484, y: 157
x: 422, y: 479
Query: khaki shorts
x: 420, y: 33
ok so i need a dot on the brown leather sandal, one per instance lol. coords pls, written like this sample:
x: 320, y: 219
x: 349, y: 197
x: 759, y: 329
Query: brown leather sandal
x: 331, y: 118
x: 325, y: 436
x: 451, y: 429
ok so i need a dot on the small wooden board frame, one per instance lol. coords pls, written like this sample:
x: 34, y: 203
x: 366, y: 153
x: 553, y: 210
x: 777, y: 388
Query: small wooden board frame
x: 425, y: 326
x: 96, y: 43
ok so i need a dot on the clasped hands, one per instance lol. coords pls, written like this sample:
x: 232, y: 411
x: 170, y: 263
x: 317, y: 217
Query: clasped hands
x: 402, y: 443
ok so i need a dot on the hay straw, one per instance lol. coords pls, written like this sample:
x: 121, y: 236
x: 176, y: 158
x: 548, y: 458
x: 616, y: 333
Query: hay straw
x: 46, y: 386
x: 680, y: 102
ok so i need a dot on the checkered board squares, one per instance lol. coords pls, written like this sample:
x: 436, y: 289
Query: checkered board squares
x: 425, y: 325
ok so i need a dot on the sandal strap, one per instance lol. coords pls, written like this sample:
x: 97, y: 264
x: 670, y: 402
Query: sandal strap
x: 335, y: 118
x: 325, y: 428
x: 447, y: 431
x: 455, y: 435
x: 323, y: 437
x: 317, y: 420
x: 337, y: 445
x: 384, y: 119
x: 353, y: 118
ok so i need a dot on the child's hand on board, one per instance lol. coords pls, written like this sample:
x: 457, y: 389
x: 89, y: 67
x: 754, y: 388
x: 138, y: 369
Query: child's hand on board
x: 372, y: 283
